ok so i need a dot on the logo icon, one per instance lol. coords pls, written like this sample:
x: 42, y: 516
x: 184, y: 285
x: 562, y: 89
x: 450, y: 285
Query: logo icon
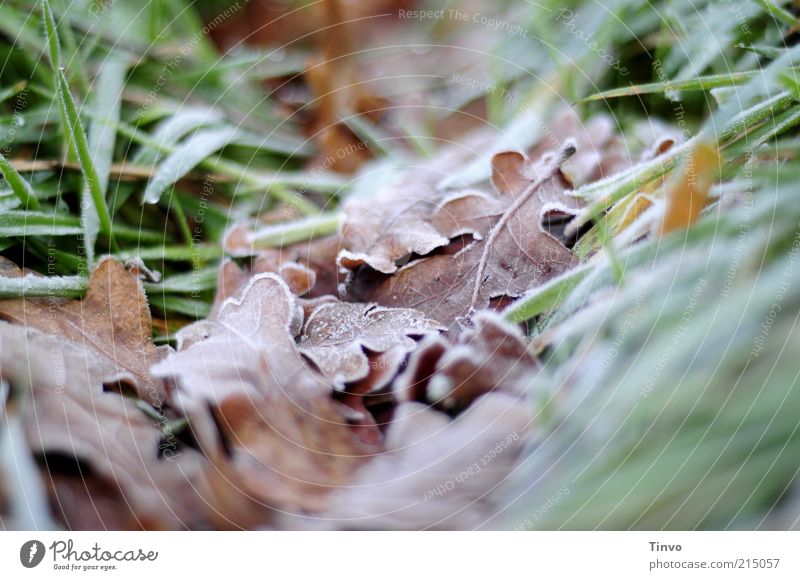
x: 31, y: 553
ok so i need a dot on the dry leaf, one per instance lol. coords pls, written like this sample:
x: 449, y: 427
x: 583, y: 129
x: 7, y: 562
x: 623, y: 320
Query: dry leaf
x: 336, y: 336
x: 491, y: 356
x: 99, y: 452
x: 308, y: 267
x: 436, y: 473
x: 506, y: 250
x: 370, y: 399
x: 273, y: 431
x: 112, y: 321
x: 687, y: 190
x: 412, y: 217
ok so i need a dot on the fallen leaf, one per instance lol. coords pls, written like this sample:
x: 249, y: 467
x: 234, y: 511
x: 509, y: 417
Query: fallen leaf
x: 112, y: 321
x: 279, y: 23
x: 412, y: 217
x: 371, y: 398
x: 687, y: 190
x: 309, y: 267
x: 505, y: 253
x: 436, y: 473
x: 491, y: 356
x: 337, y: 335
x: 106, y: 463
x: 266, y: 420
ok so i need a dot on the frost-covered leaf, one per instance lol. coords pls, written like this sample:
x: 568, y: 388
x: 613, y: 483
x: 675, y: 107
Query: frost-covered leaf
x: 308, y: 267
x: 112, y: 321
x: 337, y: 336
x: 100, y: 453
x: 492, y: 356
x: 449, y: 252
x: 266, y: 420
x: 399, y: 220
x: 496, y: 234
x: 436, y: 473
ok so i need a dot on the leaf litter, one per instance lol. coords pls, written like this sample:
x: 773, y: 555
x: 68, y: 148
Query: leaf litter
x: 359, y: 380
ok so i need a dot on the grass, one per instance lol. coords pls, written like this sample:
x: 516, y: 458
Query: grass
x: 149, y: 143
x: 109, y: 132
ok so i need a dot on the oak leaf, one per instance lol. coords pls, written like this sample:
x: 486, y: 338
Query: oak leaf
x: 497, y: 246
x: 107, y: 464
x: 436, y: 472
x: 309, y: 267
x: 112, y: 321
x: 337, y: 335
x: 267, y: 421
x: 491, y: 356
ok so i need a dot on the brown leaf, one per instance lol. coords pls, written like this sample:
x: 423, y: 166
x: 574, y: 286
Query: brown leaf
x: 370, y: 398
x: 507, y: 252
x: 112, y: 321
x: 308, y: 267
x: 412, y: 217
x: 247, y: 347
x: 106, y: 463
x: 274, y: 434
x: 436, y: 473
x: 492, y: 356
x: 336, y: 336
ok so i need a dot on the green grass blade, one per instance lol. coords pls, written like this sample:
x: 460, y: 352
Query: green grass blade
x: 765, y: 132
x: 99, y: 219
x: 19, y: 184
x: 30, y: 223
x: 14, y: 89
x: 777, y: 12
x: 182, y: 253
x: 174, y: 128
x: 278, y: 235
x: 180, y: 304
x: 703, y: 83
x: 188, y: 283
x: 185, y: 157
x: 54, y: 48
x: 547, y: 296
x: 31, y: 286
x: 607, y: 192
x: 53, y: 43
x: 106, y: 109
